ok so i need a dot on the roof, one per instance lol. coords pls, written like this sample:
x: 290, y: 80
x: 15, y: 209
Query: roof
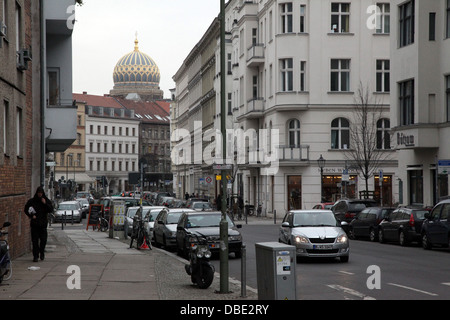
x: 97, y: 101
x: 154, y: 112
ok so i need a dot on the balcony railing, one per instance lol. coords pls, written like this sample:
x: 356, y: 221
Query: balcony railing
x: 293, y: 153
x: 255, y: 55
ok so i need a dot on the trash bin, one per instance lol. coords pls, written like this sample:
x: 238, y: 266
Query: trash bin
x: 275, y: 271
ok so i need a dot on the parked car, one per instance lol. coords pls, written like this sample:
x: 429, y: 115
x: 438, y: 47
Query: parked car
x: 315, y: 233
x: 324, y: 206
x: 201, y: 206
x: 129, y: 216
x: 149, y: 219
x: 366, y: 222
x: 402, y: 225
x: 68, y: 210
x: 436, y: 228
x: 346, y: 209
x: 84, y: 202
x: 206, y: 223
x: 165, y: 227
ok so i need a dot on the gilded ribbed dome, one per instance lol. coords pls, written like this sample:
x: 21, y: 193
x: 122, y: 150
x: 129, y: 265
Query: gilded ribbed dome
x: 136, y: 69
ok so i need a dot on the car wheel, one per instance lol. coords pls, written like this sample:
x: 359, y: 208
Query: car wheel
x: 425, y: 242
x: 373, y: 235
x: 351, y: 234
x: 402, y: 239
x: 381, y: 236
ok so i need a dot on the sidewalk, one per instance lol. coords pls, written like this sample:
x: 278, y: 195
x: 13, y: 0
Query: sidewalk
x: 109, y: 270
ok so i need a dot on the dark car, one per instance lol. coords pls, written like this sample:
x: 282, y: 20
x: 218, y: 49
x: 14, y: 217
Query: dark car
x: 206, y: 223
x: 346, y: 209
x: 165, y: 227
x: 436, y: 228
x: 366, y: 222
x: 402, y: 225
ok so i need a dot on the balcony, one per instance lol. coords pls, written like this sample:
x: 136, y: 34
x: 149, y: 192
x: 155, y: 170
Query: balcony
x: 61, y: 126
x: 255, y: 55
x: 59, y: 16
x: 420, y: 136
x: 293, y: 154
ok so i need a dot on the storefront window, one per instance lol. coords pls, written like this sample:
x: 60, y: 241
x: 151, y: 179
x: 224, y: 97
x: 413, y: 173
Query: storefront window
x: 334, y: 189
x: 294, y: 192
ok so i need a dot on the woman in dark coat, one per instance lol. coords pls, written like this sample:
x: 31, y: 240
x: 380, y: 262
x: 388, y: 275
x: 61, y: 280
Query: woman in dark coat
x: 37, y: 209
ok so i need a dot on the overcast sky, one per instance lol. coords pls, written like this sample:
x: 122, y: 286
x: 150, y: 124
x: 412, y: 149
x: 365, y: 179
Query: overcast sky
x: 105, y: 31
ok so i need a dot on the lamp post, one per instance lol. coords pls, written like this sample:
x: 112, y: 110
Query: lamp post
x: 321, y: 164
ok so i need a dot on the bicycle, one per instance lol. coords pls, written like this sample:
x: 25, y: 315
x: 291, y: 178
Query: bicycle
x: 5, y: 259
x: 103, y: 224
x: 139, y: 233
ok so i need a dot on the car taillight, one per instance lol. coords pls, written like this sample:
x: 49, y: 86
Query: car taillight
x: 411, y: 220
x: 349, y: 215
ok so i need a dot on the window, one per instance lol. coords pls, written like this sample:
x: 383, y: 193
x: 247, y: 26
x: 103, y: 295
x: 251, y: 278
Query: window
x: 447, y: 93
x: 383, y: 83
x: 415, y: 186
x: 406, y: 97
x: 340, y: 134
x: 254, y: 36
x: 383, y: 136
x: 53, y: 86
x: 448, y: 19
x: 294, y: 133
x: 6, y: 127
x: 302, y: 75
x: 340, y: 75
x: 286, y: 68
x: 229, y: 63
x: 229, y: 104
x: 19, y: 132
x: 432, y: 26
x: 255, y: 87
x: 406, y: 23
x: 4, y: 17
x: 383, y: 16
x: 302, y: 18
x: 286, y: 17
x: 340, y: 17
x: 18, y: 28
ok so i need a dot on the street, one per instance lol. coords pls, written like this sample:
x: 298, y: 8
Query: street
x: 405, y: 273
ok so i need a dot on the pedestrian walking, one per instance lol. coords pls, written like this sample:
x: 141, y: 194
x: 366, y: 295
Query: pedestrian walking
x: 37, y: 209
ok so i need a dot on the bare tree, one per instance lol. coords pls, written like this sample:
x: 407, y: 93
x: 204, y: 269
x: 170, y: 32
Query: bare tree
x: 366, y: 152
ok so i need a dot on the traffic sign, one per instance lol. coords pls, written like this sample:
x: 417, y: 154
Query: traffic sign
x: 208, y: 179
x: 443, y: 166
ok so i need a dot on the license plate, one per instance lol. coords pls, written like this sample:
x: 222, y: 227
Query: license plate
x: 214, y: 245
x: 322, y: 247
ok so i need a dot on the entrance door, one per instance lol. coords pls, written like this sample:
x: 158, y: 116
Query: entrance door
x: 294, y: 192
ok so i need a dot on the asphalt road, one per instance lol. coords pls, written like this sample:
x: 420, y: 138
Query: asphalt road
x: 374, y: 271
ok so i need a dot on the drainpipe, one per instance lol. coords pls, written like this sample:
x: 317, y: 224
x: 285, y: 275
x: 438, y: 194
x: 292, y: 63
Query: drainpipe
x: 43, y: 70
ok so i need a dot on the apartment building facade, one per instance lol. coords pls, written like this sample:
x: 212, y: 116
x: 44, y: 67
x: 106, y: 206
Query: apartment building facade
x: 420, y: 98
x: 297, y: 70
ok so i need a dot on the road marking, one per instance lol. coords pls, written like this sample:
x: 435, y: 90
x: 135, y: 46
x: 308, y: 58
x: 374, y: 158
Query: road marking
x: 413, y: 289
x: 446, y: 283
x: 346, y: 272
x: 350, y: 291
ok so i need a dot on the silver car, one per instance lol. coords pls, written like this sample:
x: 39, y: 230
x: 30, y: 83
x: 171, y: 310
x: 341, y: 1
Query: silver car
x: 165, y: 228
x: 315, y: 233
x: 128, y: 221
x: 68, y: 211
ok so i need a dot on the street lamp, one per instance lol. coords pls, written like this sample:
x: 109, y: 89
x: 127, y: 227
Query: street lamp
x: 321, y: 163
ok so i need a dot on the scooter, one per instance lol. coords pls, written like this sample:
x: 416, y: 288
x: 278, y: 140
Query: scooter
x: 5, y: 260
x: 199, y: 267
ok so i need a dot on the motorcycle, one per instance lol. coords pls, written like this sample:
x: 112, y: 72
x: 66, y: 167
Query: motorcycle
x: 5, y: 260
x: 199, y: 267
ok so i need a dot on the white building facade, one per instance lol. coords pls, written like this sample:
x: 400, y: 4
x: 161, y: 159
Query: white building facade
x: 420, y: 98
x: 112, y: 146
x: 295, y: 68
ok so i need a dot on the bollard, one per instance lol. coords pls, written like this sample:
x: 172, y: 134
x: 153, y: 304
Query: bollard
x: 63, y: 219
x: 72, y: 217
x: 274, y: 216
x: 243, y: 271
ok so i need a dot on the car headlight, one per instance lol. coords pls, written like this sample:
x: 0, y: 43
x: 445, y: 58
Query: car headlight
x: 235, y: 238
x: 342, y: 239
x: 301, y: 239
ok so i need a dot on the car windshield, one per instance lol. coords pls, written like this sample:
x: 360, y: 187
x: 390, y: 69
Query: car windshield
x: 313, y: 219
x: 67, y: 206
x: 328, y: 206
x: 153, y: 214
x: 172, y: 218
x: 132, y: 212
x: 202, y: 205
x: 205, y: 220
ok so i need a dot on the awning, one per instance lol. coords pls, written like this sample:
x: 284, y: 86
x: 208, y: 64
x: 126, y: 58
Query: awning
x: 82, y: 178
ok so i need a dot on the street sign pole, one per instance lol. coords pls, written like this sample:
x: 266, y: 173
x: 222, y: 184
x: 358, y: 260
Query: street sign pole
x: 223, y: 222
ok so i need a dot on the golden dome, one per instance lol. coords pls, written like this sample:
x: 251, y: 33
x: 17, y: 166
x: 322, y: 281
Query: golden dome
x: 136, y: 69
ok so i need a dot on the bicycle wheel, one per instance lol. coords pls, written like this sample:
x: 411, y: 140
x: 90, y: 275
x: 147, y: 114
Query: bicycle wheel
x: 8, y: 274
x: 104, y: 225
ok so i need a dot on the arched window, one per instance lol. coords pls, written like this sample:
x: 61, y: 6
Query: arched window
x: 383, y: 135
x: 294, y: 133
x: 340, y: 134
